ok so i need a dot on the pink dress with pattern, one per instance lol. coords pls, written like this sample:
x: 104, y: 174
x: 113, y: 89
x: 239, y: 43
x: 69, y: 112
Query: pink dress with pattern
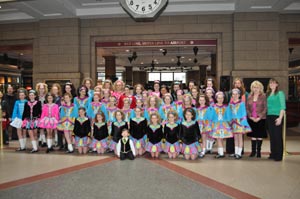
x: 49, y: 117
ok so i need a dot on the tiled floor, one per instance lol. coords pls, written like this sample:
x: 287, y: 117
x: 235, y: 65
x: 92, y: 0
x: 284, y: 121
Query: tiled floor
x: 262, y: 178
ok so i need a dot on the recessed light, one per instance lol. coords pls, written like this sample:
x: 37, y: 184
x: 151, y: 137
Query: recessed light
x: 0, y: 6
x: 182, y: 57
x: 127, y: 50
x: 21, y: 54
x: 172, y: 59
x: 190, y: 59
x: 142, y: 62
x: 261, y: 7
x: 52, y: 14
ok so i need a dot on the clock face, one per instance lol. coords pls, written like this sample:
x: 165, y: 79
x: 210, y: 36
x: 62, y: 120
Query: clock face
x: 143, y: 7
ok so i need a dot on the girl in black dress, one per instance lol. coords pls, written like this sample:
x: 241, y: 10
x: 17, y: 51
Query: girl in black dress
x: 155, y: 135
x: 190, y: 135
x: 171, y: 135
x: 31, y: 115
x: 100, y: 134
x: 138, y: 126
x: 116, y: 129
x: 82, y: 131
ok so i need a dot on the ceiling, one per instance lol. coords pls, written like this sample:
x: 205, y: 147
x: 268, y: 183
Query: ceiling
x: 34, y: 10
x: 145, y: 56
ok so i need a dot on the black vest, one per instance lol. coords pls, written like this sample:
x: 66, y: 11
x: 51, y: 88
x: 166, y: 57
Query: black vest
x: 125, y: 148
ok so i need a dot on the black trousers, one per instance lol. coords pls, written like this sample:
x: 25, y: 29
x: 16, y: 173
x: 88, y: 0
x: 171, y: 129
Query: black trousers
x: 230, y: 146
x: 276, y: 141
x: 5, y: 136
x: 128, y: 155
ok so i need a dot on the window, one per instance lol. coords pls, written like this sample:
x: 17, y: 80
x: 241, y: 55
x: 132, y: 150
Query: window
x: 153, y: 76
x: 101, y: 75
x: 180, y: 77
x: 167, y: 77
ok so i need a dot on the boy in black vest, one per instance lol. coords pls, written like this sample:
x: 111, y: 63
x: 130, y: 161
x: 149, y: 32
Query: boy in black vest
x: 125, y: 146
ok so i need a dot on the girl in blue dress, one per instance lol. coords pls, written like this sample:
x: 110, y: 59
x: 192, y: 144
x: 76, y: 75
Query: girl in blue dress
x: 166, y: 107
x: 96, y: 106
x: 239, y: 123
x: 153, y: 104
x: 204, y: 119
x: 17, y: 118
x: 83, y: 99
x: 221, y: 123
x: 67, y: 115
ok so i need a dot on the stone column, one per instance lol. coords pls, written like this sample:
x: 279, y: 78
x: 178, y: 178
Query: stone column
x: 128, y: 75
x: 110, y: 67
x: 202, y: 71
x: 213, y: 70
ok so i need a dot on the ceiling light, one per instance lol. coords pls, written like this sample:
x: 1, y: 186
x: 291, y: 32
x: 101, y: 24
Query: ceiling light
x: 52, y: 14
x: 261, y: 7
x: 127, y: 50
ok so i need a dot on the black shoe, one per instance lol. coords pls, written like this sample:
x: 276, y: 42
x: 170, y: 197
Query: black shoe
x: 34, y: 151
x: 201, y: 155
x: 209, y: 152
x: 69, y: 151
x: 48, y: 150
x: 278, y: 160
x: 20, y: 149
x: 232, y: 155
x: 92, y: 151
x: 44, y: 145
x: 252, y: 154
x: 237, y: 157
x: 40, y: 143
x: 219, y: 156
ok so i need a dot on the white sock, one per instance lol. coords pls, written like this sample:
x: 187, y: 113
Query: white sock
x: 40, y: 137
x: 221, y: 151
x: 34, y: 145
x: 21, y: 143
x: 211, y: 143
x: 240, y: 151
x: 44, y: 138
x: 49, y: 143
x: 203, y: 150
x: 55, y: 137
x: 24, y: 142
x: 207, y: 144
x: 94, y: 149
x: 236, y: 150
x: 70, y: 147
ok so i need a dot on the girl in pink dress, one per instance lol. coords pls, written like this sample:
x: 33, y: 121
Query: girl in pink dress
x: 49, y: 119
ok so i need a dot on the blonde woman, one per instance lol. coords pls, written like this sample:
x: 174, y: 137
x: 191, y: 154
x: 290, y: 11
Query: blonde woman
x: 256, y: 112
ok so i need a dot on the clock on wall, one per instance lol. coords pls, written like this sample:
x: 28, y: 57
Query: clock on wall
x: 144, y: 10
